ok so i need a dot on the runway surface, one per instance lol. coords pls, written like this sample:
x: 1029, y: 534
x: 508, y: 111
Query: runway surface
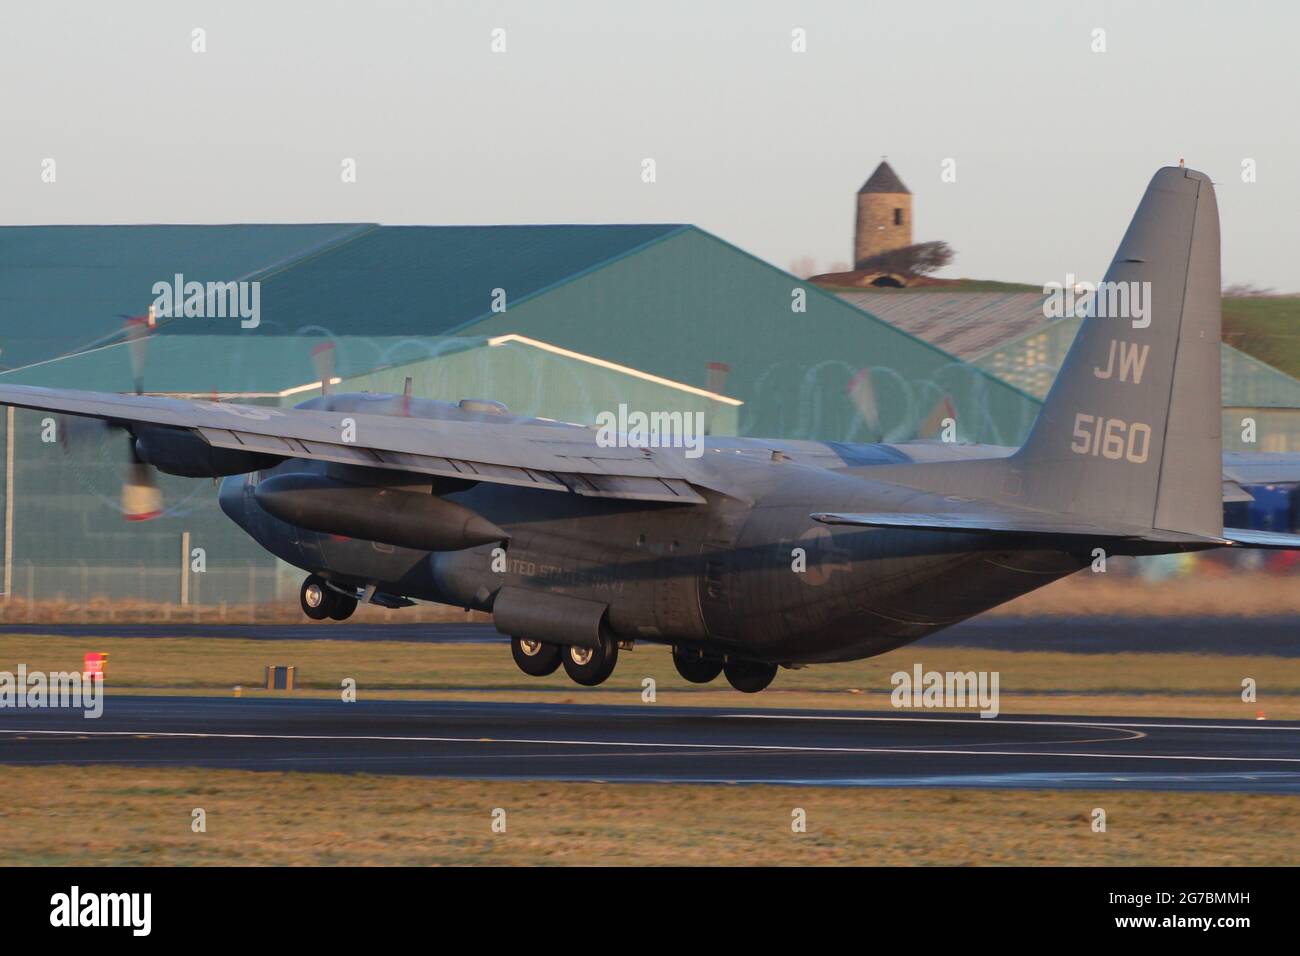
x: 449, y: 633
x: 1277, y: 635
x: 650, y: 743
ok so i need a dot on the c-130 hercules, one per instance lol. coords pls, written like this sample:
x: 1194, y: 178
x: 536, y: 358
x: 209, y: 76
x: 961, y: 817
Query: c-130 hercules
x: 579, y: 549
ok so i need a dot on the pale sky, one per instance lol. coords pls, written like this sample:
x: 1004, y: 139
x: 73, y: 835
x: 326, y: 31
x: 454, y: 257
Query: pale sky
x: 765, y: 147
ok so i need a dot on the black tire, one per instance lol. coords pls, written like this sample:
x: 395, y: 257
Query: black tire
x: 749, y: 677
x: 695, y: 667
x: 315, y: 598
x: 341, y: 606
x: 590, y: 666
x: 536, y: 658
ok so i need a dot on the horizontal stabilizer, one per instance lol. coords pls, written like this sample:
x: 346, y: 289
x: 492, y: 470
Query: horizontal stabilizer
x: 1235, y: 493
x: 1022, y: 523
x: 1261, y: 467
x: 1247, y: 538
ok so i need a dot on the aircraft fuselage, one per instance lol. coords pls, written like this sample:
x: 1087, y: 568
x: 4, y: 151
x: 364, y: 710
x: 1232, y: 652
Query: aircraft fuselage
x: 747, y: 574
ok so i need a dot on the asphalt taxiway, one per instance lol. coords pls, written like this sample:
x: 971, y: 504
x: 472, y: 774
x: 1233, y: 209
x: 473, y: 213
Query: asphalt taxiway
x: 652, y: 743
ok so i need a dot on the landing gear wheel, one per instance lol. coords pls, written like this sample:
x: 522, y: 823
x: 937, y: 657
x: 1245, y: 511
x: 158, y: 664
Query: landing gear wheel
x: 535, y: 658
x: 590, y: 666
x: 694, y: 667
x: 341, y: 606
x: 315, y: 598
x: 749, y: 677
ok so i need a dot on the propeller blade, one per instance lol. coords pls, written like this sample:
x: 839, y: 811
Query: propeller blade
x: 863, y: 395
x: 323, y: 357
x: 77, y: 434
x: 933, y: 425
x: 141, y: 499
x: 137, y: 334
x: 717, y: 381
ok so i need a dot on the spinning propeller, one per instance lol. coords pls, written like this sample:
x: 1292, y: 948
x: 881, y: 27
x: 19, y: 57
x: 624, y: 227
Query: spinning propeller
x: 141, y: 497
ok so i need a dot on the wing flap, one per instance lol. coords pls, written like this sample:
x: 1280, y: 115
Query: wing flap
x: 635, y: 488
x: 397, y: 461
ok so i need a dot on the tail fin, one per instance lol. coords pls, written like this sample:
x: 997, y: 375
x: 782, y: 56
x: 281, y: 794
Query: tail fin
x: 1130, y: 431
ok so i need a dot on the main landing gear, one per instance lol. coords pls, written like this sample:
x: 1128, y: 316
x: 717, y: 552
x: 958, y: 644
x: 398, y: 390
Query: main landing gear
x: 535, y: 658
x: 320, y: 601
x: 591, y: 666
x: 694, y: 666
x: 748, y: 677
x: 588, y: 666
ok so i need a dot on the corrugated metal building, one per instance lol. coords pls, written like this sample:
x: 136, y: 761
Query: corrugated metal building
x: 1006, y: 334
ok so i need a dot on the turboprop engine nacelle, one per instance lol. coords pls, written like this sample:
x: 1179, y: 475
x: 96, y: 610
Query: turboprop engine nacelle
x: 405, y: 519
x: 179, y: 451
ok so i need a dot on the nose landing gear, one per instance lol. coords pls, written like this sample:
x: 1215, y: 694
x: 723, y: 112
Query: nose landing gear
x: 320, y: 601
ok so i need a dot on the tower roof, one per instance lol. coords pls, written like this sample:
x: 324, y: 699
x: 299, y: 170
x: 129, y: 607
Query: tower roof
x: 884, y: 180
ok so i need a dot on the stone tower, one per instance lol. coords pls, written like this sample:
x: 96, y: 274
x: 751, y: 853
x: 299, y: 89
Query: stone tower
x: 884, y: 215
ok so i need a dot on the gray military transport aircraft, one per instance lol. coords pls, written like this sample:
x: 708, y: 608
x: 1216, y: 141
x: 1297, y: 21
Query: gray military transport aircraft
x: 579, y: 550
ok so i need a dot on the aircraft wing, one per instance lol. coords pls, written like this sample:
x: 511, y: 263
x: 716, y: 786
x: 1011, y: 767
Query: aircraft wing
x: 526, y: 455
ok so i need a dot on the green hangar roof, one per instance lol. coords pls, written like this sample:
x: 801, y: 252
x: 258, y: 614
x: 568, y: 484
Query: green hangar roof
x: 67, y: 288
x: 428, y: 280
x: 672, y: 301
x: 63, y: 288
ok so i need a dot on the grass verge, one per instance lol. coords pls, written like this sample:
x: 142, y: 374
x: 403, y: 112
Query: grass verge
x: 142, y: 816
x: 1188, y: 685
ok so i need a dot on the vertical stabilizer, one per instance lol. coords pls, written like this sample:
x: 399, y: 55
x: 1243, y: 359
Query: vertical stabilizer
x: 1130, y: 431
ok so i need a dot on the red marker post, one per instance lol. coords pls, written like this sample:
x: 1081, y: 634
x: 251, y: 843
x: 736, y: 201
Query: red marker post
x: 94, y: 664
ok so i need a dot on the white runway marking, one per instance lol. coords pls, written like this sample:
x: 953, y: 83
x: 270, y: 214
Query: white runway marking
x: 654, y: 745
x: 1254, y: 726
